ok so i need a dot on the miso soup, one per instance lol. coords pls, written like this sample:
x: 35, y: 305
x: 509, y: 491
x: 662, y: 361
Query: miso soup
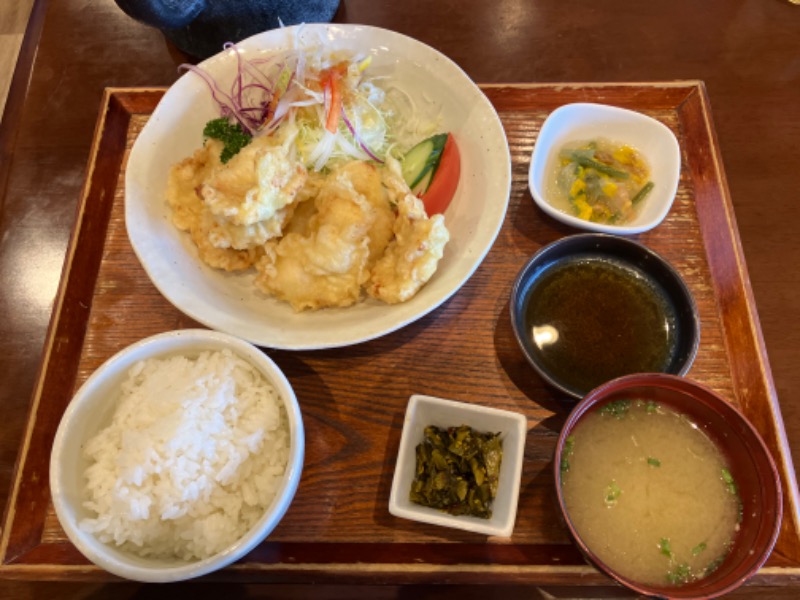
x: 649, y: 493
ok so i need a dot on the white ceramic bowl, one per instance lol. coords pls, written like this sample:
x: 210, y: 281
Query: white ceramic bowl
x: 230, y: 302
x: 585, y: 121
x: 91, y: 409
x: 423, y: 411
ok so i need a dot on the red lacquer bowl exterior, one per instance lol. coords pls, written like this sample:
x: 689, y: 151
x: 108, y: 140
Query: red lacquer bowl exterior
x: 751, y: 464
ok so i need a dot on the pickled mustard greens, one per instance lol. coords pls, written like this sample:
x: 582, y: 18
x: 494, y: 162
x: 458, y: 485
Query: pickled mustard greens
x: 457, y: 470
x: 600, y: 181
x: 649, y: 493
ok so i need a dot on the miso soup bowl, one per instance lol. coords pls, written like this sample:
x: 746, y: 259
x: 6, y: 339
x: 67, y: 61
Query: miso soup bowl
x: 750, y: 463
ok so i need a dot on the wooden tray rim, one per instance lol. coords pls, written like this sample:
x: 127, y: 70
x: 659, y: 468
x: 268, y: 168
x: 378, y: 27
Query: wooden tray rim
x: 555, y: 573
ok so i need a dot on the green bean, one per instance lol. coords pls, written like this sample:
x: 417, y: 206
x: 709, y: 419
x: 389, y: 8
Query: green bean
x: 640, y: 195
x: 590, y: 163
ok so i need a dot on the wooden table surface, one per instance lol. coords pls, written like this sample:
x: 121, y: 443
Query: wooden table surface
x: 746, y: 51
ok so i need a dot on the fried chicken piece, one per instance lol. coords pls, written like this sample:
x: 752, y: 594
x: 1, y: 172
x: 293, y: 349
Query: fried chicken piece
x: 367, y: 181
x: 413, y: 255
x: 229, y: 259
x: 231, y: 210
x: 189, y: 213
x: 222, y: 234
x: 254, y: 185
x: 184, y: 180
x: 323, y: 262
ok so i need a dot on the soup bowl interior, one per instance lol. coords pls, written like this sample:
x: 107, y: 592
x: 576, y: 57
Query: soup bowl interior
x: 641, y: 260
x: 750, y: 462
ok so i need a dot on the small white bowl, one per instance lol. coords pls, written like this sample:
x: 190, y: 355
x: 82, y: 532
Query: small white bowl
x: 585, y: 121
x: 423, y: 411
x: 91, y: 409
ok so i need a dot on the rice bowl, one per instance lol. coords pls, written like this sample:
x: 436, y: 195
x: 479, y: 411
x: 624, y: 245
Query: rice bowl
x: 177, y: 456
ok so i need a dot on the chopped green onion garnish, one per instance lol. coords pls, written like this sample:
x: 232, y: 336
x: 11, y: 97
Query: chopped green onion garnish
x: 613, y: 492
x: 681, y: 574
x: 729, y: 481
x: 616, y: 408
x: 698, y: 549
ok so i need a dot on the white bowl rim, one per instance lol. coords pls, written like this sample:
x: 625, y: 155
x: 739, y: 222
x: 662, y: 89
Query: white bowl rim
x: 540, y: 154
x: 260, y: 530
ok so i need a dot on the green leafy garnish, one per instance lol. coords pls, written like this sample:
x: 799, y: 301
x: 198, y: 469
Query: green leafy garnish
x: 651, y: 407
x: 613, y: 492
x: 230, y: 134
x: 616, y: 408
x: 653, y: 462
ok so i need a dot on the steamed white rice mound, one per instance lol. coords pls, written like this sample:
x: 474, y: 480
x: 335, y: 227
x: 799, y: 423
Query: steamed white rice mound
x: 193, y: 457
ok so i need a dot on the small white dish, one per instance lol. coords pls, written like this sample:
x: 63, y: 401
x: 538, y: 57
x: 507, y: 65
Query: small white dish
x: 585, y: 121
x: 91, y: 409
x: 423, y: 411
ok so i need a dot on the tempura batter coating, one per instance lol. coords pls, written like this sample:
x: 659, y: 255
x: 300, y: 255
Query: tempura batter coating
x: 327, y: 264
x: 367, y: 181
x: 190, y: 213
x: 413, y: 255
x: 232, y: 209
x: 316, y: 240
x: 254, y: 185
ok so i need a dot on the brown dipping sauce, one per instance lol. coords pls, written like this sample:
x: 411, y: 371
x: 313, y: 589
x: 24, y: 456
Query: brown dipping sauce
x: 594, y: 319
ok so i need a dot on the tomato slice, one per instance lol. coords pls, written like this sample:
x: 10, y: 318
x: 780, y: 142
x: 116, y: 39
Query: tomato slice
x: 445, y: 180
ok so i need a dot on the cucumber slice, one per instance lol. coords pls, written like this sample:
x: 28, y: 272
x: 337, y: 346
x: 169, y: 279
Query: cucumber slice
x: 422, y: 160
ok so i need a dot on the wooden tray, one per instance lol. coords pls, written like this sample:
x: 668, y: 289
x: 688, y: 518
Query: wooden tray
x: 338, y: 528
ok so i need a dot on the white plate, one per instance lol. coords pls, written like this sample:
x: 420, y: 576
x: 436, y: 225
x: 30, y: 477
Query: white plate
x: 230, y: 302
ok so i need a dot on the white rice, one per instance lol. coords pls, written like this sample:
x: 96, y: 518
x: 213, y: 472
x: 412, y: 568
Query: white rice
x: 192, y: 458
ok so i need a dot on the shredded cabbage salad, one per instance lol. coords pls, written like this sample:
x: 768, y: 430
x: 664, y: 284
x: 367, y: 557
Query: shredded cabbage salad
x: 321, y: 103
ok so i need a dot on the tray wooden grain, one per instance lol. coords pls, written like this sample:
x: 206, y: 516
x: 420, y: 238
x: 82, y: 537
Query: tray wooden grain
x: 338, y: 528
